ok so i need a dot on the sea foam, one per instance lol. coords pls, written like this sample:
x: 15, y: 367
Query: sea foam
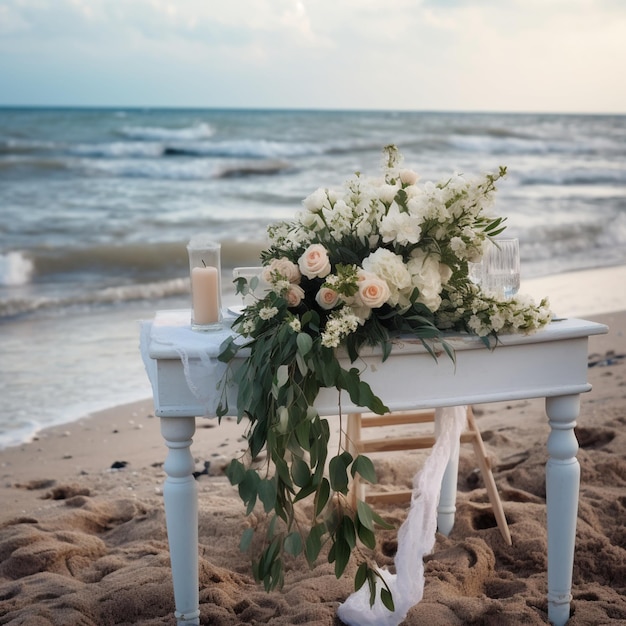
x: 15, y: 269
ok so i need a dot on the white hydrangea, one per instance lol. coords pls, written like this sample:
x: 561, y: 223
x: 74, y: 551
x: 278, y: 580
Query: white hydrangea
x: 401, y: 228
x: 426, y: 276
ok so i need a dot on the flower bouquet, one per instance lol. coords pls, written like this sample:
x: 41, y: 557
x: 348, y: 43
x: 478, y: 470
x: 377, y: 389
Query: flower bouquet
x: 356, y: 267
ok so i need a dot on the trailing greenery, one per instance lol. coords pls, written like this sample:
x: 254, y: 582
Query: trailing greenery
x: 355, y: 268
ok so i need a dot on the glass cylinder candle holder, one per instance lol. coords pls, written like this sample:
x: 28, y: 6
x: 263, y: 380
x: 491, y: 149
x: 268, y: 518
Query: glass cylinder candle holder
x: 206, y: 291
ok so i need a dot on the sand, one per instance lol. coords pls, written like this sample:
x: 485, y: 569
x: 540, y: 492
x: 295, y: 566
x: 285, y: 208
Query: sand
x: 84, y: 543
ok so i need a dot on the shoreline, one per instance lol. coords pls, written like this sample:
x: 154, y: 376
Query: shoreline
x: 580, y: 293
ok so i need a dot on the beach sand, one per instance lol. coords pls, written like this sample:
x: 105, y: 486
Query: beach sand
x: 83, y: 543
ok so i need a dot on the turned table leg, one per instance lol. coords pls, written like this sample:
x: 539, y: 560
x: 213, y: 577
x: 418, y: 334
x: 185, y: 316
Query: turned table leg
x: 180, y: 495
x: 446, y: 508
x: 562, y: 485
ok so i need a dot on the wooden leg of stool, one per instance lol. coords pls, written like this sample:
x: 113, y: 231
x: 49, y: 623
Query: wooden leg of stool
x: 490, y: 484
x: 353, y: 438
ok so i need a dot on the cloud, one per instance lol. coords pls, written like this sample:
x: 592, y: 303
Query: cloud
x: 537, y: 54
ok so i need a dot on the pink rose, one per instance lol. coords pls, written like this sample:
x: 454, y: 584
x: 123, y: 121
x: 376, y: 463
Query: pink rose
x: 327, y: 298
x: 294, y: 295
x: 314, y: 263
x: 373, y: 292
x: 284, y: 267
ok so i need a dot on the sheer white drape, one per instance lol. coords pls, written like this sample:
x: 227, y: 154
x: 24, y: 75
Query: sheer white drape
x: 416, y: 536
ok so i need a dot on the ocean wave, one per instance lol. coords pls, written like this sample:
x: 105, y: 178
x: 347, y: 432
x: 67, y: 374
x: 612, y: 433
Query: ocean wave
x: 254, y: 168
x: 158, y: 133
x: 245, y: 148
x: 13, y: 307
x: 490, y: 144
x: 576, y: 176
x: 129, y: 259
x: 9, y: 145
x: 134, y: 260
x: 118, y: 149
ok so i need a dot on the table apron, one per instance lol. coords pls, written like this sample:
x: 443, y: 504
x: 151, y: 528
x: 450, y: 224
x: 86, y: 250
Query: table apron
x: 414, y: 381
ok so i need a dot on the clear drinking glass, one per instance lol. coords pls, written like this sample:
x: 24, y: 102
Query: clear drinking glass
x: 255, y: 287
x: 499, y: 271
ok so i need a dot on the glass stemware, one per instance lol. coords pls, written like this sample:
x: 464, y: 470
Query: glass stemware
x: 499, y: 271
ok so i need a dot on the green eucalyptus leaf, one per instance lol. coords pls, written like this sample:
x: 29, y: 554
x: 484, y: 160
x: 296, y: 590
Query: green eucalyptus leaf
x: 228, y: 349
x: 338, y: 471
x: 235, y: 472
x: 282, y: 375
x: 365, y: 515
x: 360, y: 576
x: 246, y: 539
x: 300, y: 472
x: 323, y: 495
x: 342, y: 555
x: 266, y: 490
x: 387, y: 599
x: 366, y: 536
x: 348, y: 531
x: 305, y: 343
x: 293, y: 544
x: 313, y: 543
x: 365, y: 468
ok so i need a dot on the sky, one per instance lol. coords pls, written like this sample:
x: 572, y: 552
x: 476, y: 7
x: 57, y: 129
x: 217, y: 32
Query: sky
x: 469, y: 55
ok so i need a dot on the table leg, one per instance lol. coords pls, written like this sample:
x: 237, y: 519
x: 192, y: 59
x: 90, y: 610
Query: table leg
x: 180, y: 495
x: 562, y: 485
x: 446, y: 509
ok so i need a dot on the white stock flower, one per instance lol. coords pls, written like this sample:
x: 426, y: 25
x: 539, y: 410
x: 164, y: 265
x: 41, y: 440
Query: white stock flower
x: 387, y: 193
x: 268, y: 312
x: 312, y: 221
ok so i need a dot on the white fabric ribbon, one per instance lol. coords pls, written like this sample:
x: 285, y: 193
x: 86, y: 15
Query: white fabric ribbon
x: 416, y: 536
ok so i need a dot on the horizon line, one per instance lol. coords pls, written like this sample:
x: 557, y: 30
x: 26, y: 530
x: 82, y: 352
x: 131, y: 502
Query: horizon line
x: 137, y: 107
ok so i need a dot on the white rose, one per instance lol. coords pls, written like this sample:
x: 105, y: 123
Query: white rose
x: 373, y: 292
x: 316, y: 200
x: 327, y: 298
x: 294, y: 296
x: 314, y: 262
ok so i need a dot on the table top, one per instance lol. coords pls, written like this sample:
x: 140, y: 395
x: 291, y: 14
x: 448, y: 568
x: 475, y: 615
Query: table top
x: 550, y: 362
x: 171, y: 331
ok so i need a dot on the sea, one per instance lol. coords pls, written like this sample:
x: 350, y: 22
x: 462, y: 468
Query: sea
x: 97, y: 206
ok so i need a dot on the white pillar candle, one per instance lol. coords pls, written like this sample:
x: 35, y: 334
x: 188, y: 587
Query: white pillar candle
x: 205, y: 295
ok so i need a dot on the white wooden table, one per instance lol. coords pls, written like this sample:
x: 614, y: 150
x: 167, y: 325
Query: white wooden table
x: 550, y: 364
